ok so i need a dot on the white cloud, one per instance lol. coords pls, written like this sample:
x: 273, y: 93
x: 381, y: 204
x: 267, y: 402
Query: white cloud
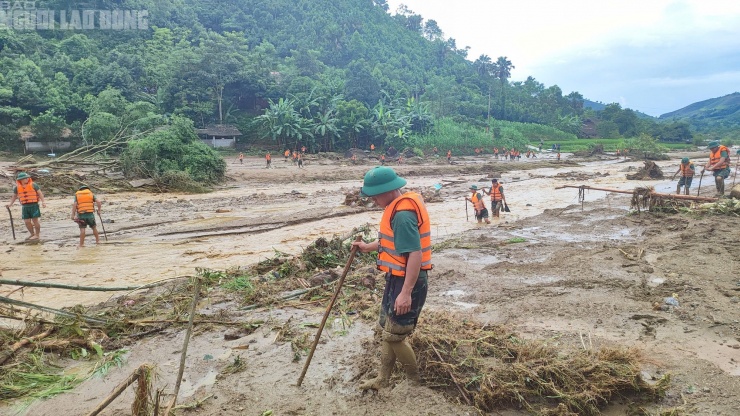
x: 610, y: 50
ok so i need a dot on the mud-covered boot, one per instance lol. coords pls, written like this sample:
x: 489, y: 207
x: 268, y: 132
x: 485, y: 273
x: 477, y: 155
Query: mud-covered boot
x: 387, y: 361
x: 721, y: 187
x: 678, y: 190
x: 405, y: 355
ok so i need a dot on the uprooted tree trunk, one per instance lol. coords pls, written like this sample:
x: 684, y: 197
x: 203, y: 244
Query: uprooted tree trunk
x: 649, y: 171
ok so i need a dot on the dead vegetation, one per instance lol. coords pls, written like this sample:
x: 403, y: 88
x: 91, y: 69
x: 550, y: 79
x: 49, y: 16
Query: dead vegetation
x: 493, y: 367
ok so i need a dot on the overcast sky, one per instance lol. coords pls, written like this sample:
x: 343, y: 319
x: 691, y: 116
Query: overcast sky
x: 655, y: 56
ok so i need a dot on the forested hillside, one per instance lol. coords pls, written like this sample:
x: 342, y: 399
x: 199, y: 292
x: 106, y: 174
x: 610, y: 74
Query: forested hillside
x: 327, y: 73
x: 720, y: 114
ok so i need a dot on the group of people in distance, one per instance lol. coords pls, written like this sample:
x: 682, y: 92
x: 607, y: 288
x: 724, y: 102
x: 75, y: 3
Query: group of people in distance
x: 29, y: 194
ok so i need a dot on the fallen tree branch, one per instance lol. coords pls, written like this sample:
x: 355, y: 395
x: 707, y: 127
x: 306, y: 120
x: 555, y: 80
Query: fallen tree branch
x: 452, y: 376
x: 20, y: 344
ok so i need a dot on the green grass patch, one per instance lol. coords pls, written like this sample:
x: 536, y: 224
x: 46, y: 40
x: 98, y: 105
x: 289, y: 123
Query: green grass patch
x: 516, y: 240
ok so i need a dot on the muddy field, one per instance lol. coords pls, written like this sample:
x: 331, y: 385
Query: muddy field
x: 576, y: 275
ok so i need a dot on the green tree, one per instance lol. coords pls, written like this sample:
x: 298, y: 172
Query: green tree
x: 503, y: 67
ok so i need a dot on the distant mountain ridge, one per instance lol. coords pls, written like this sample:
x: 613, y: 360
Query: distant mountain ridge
x: 598, y: 106
x: 726, y: 107
x: 720, y: 115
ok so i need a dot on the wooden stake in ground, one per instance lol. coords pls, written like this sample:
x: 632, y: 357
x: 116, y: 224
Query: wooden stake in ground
x: 12, y: 227
x: 328, y: 310
x: 700, y: 178
x: 185, y: 346
x: 139, y: 374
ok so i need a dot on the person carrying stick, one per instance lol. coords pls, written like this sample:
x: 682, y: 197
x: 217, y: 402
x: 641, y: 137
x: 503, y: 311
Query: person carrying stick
x: 687, y: 171
x: 404, y: 249
x: 719, y: 164
x: 30, y: 195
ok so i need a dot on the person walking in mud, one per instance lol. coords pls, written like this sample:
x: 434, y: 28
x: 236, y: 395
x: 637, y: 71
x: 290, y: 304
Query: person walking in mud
x: 382, y: 160
x: 404, y: 249
x: 29, y: 194
x: 287, y: 155
x: 449, y: 156
x: 687, y: 171
x: 481, y: 212
x: 496, y: 191
x: 83, y: 212
x: 719, y: 164
x: 300, y: 161
x: 241, y: 158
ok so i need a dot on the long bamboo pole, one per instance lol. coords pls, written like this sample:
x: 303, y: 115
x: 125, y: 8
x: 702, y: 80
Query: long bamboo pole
x: 77, y: 287
x: 88, y: 319
x: 622, y: 191
x: 328, y: 310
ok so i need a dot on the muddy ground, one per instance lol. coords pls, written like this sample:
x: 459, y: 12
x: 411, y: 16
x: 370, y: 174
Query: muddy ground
x: 577, y: 275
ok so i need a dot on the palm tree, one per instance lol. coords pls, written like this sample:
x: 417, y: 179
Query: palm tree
x: 502, y: 70
x: 485, y: 68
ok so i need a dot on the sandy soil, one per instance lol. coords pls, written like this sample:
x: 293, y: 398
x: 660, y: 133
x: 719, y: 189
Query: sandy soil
x: 585, y: 271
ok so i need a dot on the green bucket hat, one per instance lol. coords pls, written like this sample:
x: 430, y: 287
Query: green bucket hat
x: 83, y: 187
x: 22, y: 175
x: 685, y: 160
x: 380, y: 180
x: 713, y: 144
x: 473, y: 187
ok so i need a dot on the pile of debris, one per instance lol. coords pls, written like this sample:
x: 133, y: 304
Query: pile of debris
x: 648, y: 172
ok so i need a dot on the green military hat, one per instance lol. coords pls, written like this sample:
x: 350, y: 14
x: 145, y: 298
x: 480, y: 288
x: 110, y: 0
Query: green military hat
x: 22, y: 175
x: 713, y: 144
x: 83, y: 187
x: 685, y: 160
x: 381, y: 179
x: 473, y: 187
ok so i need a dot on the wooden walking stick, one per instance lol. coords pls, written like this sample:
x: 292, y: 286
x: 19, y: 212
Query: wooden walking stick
x: 467, y: 218
x: 12, y: 227
x: 103, y: 226
x: 700, y: 178
x: 328, y: 310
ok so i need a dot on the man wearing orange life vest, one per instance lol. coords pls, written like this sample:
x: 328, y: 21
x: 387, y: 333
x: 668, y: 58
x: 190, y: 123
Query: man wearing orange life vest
x: 687, y: 170
x: 481, y: 212
x: 241, y: 158
x: 719, y: 164
x: 286, y: 154
x: 449, y: 156
x: 497, y: 197
x: 83, y: 212
x: 404, y: 249
x: 268, y: 159
x: 29, y: 194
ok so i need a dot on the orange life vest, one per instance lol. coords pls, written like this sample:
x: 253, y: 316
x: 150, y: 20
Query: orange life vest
x: 372, y: 147
x: 27, y: 194
x: 715, y: 156
x: 389, y: 260
x: 268, y: 157
x: 686, y: 170
x: 496, y: 192
x: 241, y: 156
x: 477, y: 202
x: 85, y: 200
x: 449, y: 153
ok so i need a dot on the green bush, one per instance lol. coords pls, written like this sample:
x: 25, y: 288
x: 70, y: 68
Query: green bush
x: 175, y: 148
